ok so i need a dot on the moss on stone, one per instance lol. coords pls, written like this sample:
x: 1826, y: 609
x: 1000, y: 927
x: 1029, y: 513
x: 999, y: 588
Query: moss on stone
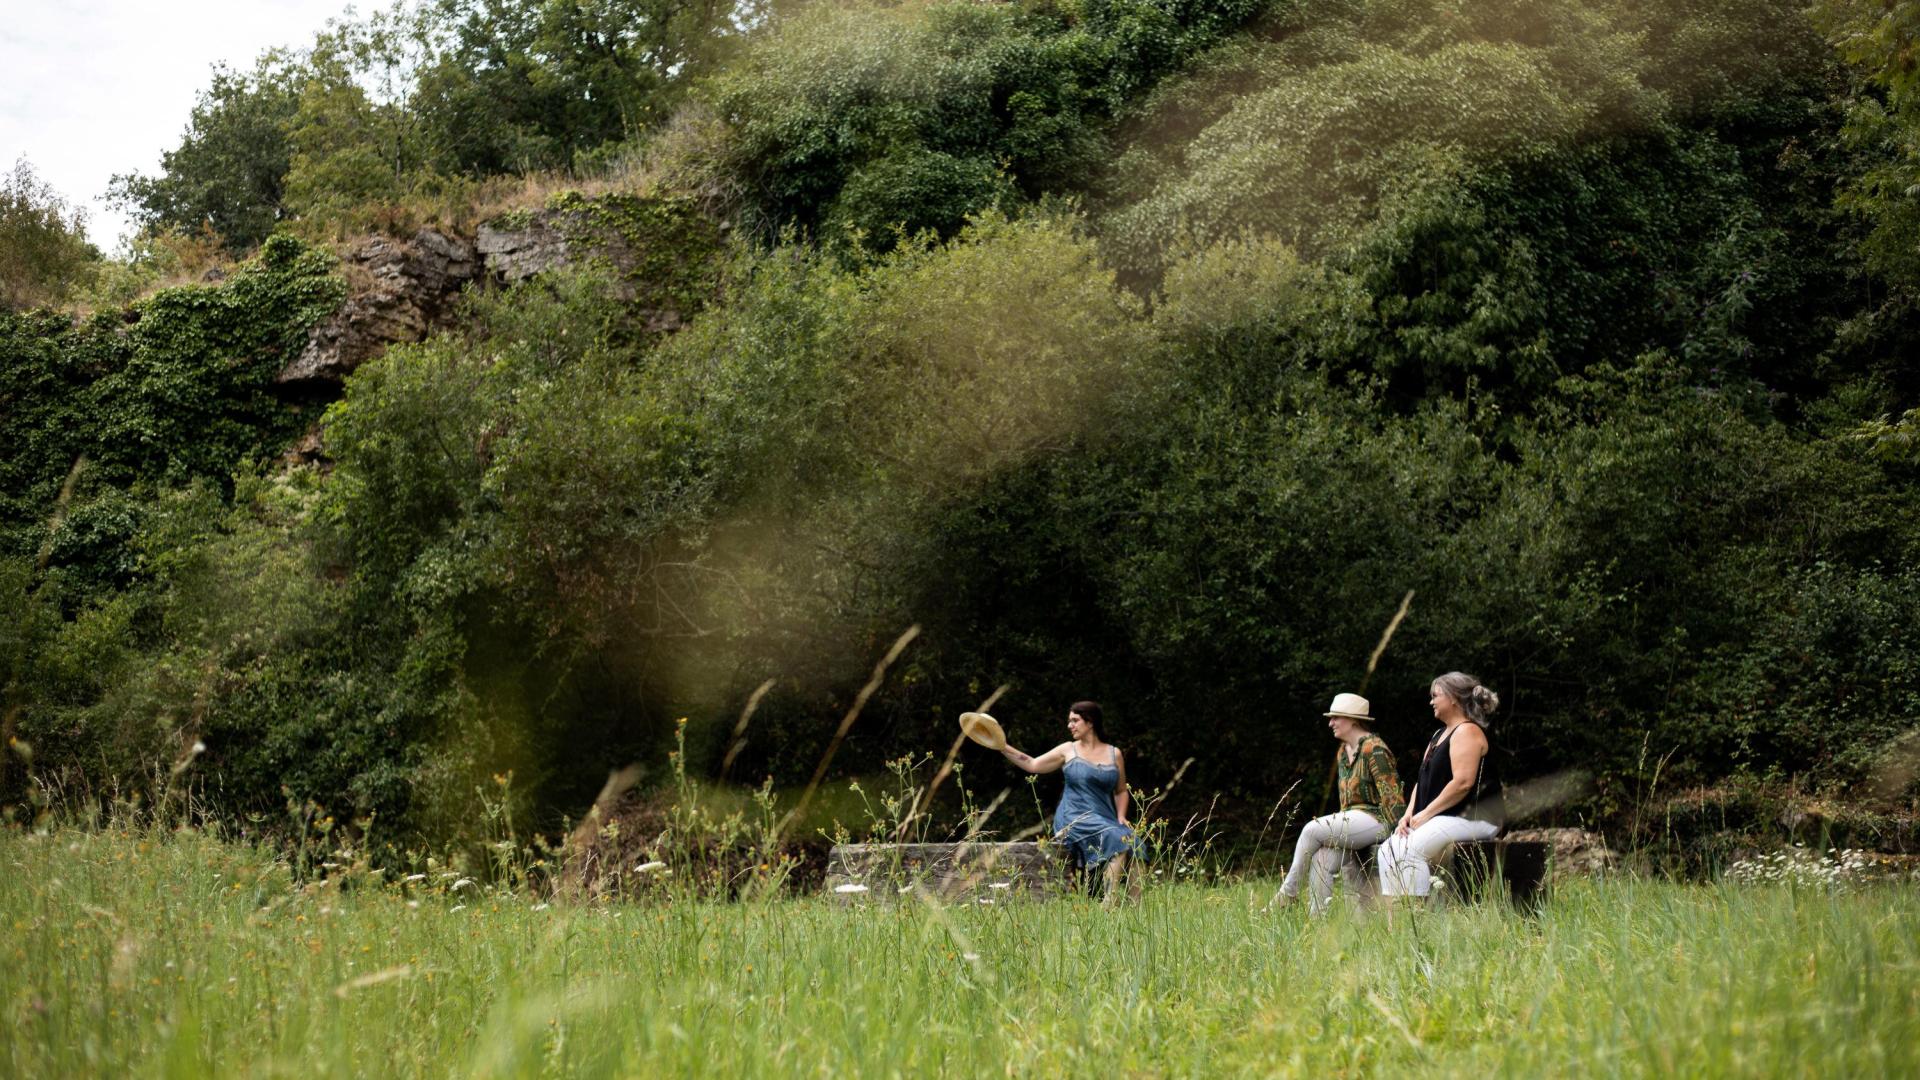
x: 662, y: 249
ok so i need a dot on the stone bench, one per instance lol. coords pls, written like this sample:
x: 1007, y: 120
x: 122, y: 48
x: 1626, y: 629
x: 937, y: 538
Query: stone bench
x: 1479, y: 869
x: 974, y: 872
x: 1475, y: 870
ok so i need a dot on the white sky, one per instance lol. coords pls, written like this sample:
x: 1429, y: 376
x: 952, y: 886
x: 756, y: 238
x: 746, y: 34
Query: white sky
x: 91, y: 88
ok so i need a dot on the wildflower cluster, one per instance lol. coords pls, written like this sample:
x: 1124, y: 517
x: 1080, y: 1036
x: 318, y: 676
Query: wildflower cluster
x: 1805, y: 868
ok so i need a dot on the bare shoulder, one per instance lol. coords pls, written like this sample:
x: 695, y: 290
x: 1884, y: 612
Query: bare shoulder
x: 1470, y: 735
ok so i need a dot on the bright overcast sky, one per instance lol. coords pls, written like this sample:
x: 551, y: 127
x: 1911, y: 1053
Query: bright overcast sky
x: 91, y: 88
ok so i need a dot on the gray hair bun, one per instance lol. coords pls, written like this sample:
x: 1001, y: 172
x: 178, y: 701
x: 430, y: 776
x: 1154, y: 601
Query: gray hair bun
x: 1486, y: 699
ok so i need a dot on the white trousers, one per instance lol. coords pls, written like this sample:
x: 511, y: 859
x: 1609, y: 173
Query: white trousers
x: 1328, y: 843
x: 1406, y: 862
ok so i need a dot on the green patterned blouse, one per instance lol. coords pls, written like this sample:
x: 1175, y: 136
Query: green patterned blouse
x: 1369, y: 783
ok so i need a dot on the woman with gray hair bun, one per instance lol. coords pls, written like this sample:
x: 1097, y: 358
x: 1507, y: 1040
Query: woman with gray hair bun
x: 1457, y: 796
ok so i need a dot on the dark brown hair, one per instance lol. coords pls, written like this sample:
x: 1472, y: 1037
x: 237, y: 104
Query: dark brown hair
x: 1090, y: 712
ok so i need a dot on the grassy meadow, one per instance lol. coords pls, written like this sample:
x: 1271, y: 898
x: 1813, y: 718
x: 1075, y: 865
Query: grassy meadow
x: 142, y: 953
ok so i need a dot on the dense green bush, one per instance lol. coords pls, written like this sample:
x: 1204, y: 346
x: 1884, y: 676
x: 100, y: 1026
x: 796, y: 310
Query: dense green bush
x: 919, y: 115
x: 178, y: 387
x: 122, y: 432
x: 1305, y: 131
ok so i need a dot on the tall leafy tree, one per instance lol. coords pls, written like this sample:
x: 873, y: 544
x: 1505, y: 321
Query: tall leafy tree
x: 43, y: 242
x: 532, y: 85
x: 353, y: 140
x: 229, y: 171
x: 1882, y: 41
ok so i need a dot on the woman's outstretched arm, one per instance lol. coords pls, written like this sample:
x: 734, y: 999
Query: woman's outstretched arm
x: 1048, y: 762
x: 1120, y: 797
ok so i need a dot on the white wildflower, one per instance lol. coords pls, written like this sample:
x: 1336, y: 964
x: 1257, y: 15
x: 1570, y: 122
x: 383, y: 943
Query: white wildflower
x: 650, y: 867
x: 850, y: 887
x: 1800, y: 867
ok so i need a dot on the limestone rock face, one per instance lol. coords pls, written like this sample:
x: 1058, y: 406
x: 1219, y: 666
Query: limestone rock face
x: 535, y: 245
x: 973, y: 872
x: 1570, y: 852
x: 308, y: 449
x: 657, y: 254
x: 401, y: 290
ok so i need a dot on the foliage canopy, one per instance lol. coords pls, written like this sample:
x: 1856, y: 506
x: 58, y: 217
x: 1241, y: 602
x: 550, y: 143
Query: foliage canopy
x: 1143, y: 351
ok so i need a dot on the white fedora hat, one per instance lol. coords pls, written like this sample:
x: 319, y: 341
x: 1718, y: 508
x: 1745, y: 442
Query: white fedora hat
x: 1351, y: 706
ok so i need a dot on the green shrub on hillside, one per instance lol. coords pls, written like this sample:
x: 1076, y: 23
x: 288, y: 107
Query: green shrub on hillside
x: 179, y: 387
x: 1303, y: 131
x: 933, y: 100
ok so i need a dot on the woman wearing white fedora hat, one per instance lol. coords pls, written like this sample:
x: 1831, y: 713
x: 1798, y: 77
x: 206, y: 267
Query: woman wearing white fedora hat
x: 1457, y: 796
x: 1369, y: 799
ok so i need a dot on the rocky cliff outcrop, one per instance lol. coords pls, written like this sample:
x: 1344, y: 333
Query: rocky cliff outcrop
x: 658, y: 255
x: 520, y: 246
x: 1570, y: 852
x: 402, y: 290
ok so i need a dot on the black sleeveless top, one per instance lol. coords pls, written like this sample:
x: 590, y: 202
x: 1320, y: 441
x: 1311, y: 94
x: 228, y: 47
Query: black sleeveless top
x: 1483, y: 801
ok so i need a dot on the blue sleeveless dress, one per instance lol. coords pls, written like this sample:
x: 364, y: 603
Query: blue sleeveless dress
x: 1086, y: 821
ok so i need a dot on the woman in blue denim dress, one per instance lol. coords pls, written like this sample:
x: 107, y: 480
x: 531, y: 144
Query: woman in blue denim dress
x: 1092, y: 817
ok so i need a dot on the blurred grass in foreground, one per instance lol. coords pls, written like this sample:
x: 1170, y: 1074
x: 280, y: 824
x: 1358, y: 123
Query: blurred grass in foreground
x: 149, y: 953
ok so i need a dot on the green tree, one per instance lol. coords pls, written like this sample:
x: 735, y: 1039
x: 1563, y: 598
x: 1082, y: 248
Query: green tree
x: 353, y: 141
x: 924, y: 114
x: 229, y: 171
x: 44, y: 254
x: 1882, y: 42
x: 515, y: 86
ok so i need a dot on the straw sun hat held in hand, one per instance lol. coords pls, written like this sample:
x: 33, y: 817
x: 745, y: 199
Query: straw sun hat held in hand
x: 983, y: 729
